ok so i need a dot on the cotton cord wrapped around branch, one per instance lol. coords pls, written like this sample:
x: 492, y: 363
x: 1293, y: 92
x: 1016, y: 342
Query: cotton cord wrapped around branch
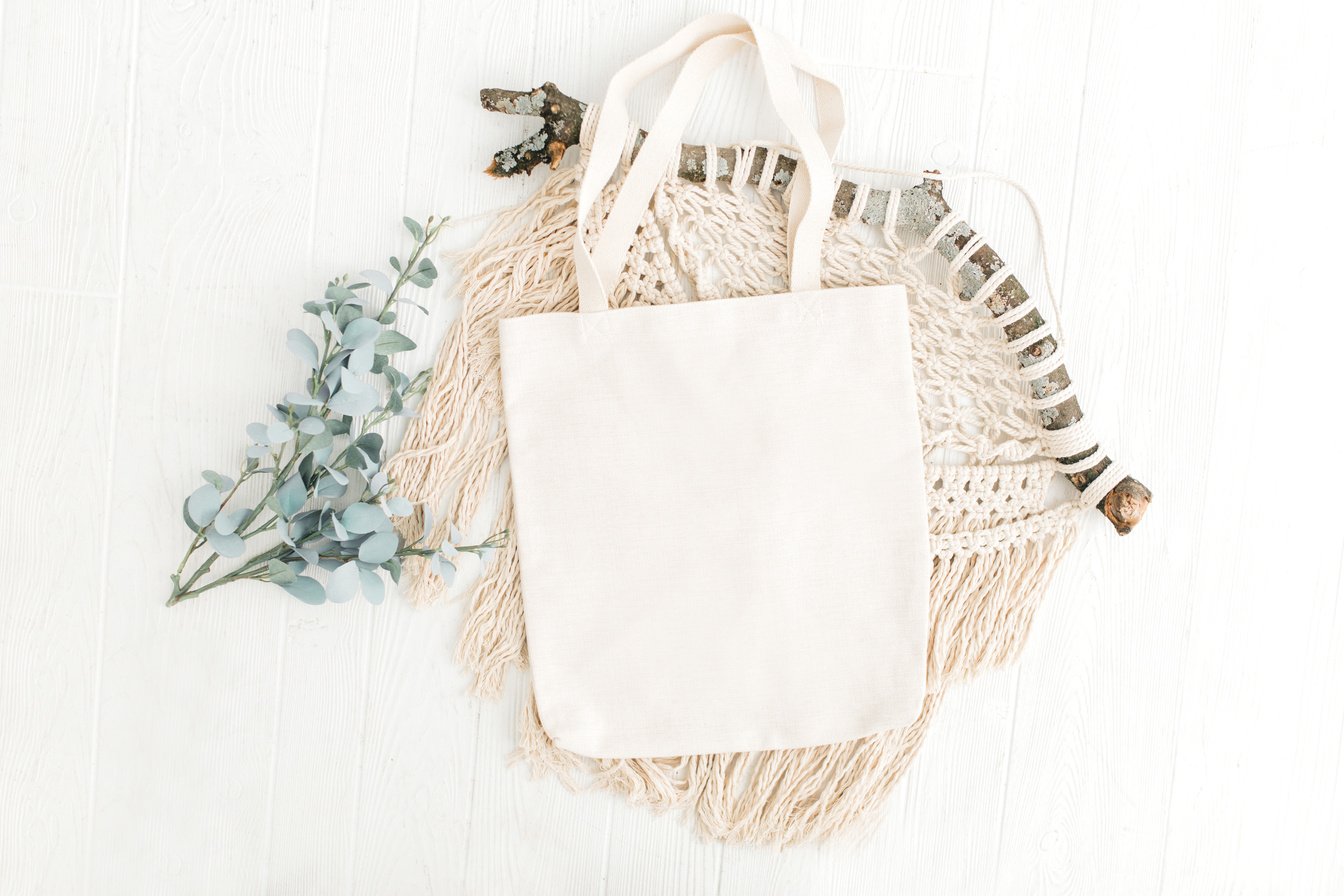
x: 981, y: 276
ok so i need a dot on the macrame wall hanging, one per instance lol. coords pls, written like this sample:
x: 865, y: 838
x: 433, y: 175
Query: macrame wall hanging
x: 998, y: 412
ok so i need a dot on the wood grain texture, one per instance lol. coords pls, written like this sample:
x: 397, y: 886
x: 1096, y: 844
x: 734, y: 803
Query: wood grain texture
x: 176, y: 177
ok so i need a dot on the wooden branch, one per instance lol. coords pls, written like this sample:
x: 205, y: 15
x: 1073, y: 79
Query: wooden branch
x: 561, y: 115
x: 920, y: 208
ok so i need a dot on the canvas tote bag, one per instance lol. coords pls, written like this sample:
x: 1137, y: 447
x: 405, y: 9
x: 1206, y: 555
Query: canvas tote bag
x: 720, y: 507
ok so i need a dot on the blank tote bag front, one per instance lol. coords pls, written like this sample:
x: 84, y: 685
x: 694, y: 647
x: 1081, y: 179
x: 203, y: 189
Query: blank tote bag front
x: 720, y: 509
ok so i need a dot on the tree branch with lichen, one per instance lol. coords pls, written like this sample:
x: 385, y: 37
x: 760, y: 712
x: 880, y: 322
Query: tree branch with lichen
x: 921, y: 207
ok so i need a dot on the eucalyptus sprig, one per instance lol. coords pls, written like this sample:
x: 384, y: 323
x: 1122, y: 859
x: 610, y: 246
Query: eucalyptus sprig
x: 320, y: 451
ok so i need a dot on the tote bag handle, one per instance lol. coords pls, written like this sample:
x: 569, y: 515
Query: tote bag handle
x: 713, y: 38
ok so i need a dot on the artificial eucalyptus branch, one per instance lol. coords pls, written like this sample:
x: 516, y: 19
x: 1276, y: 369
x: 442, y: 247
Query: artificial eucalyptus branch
x: 321, y: 449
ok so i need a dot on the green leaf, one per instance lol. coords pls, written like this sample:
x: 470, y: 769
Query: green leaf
x: 379, y: 547
x: 343, y: 582
x: 371, y: 443
x: 303, y: 346
x: 280, y: 573
x: 356, y: 397
x: 228, y: 522
x: 360, y: 332
x: 445, y: 569
x: 377, y: 279
x: 279, y: 433
x: 428, y: 267
x: 186, y: 517
x: 421, y: 279
x: 362, y: 519
x: 223, y: 483
x: 230, y: 545
x: 414, y: 227
x: 307, y: 589
x: 389, y: 342
x: 361, y: 359
x: 291, y: 496
x: 311, y: 426
x: 340, y: 294
x: 346, y: 314
x: 396, y: 265
x: 372, y: 585
x: 203, y: 505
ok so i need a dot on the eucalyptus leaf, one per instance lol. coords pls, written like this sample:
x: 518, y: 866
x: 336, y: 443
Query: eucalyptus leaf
x: 343, y: 583
x: 361, y: 359
x: 360, y: 332
x: 302, y: 345
x: 328, y: 486
x: 311, y: 426
x: 291, y: 496
x: 280, y: 573
x: 279, y: 433
x: 378, y: 279
x: 223, y: 483
x: 347, y: 314
x: 307, y: 589
x: 446, y: 570
x: 379, y: 547
x: 414, y: 227
x: 371, y: 443
x: 186, y: 517
x: 362, y: 519
x: 299, y: 400
x: 399, y: 506
x: 390, y: 342
x: 227, y: 523
x: 373, y: 586
x: 340, y: 293
x: 259, y: 433
x: 354, y: 402
x: 230, y: 545
x: 203, y: 505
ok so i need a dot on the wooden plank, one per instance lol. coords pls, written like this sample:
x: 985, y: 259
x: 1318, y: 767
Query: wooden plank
x: 529, y: 835
x: 912, y: 78
x: 1257, y: 785
x: 1090, y: 781
x: 63, y: 143
x: 321, y: 775
x: 525, y: 835
x: 53, y: 473
x: 226, y: 99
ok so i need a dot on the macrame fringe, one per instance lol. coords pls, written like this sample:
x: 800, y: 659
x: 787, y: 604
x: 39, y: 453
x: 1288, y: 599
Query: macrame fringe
x: 777, y: 798
x: 456, y: 446
x: 983, y: 599
x: 982, y: 604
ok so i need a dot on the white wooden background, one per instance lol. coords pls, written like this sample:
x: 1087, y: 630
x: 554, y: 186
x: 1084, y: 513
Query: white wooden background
x: 177, y: 176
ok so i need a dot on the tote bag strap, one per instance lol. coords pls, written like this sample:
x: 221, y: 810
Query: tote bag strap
x: 713, y: 39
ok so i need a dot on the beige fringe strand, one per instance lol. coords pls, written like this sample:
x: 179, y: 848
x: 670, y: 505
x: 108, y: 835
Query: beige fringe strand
x: 983, y: 596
